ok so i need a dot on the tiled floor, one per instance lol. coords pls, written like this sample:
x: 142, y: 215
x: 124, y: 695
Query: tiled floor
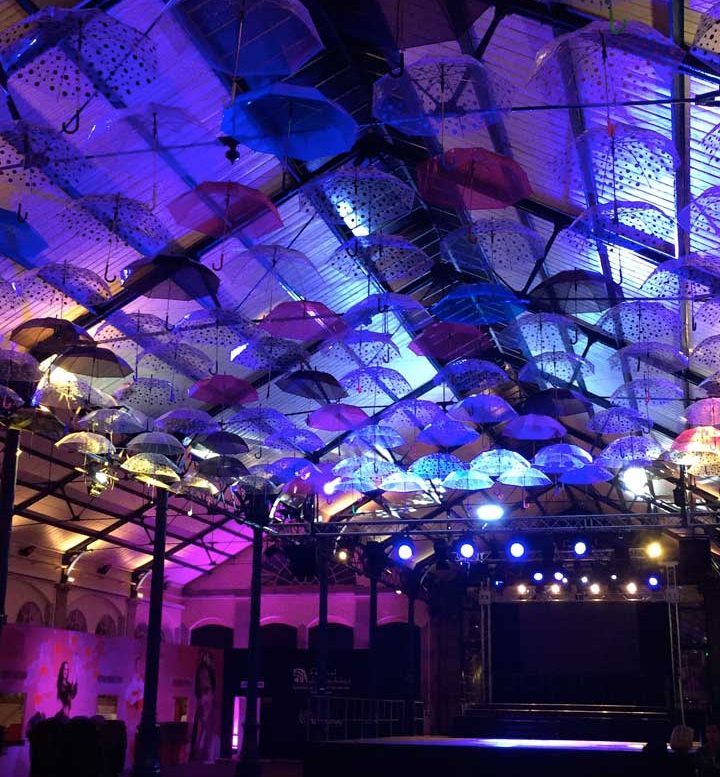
x: 227, y: 769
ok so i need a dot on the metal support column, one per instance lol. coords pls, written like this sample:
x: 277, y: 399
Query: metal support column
x: 372, y: 639
x: 672, y: 596
x: 411, y: 662
x: 8, y: 479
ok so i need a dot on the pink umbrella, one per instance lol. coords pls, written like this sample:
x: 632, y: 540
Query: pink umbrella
x: 445, y: 340
x: 472, y: 179
x: 337, y: 418
x: 534, y: 427
x: 302, y: 320
x: 216, y: 207
x: 223, y: 390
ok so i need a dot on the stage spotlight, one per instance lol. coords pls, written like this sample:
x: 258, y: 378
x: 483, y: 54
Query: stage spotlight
x: 538, y: 577
x: 631, y: 588
x: 522, y: 589
x: 516, y: 549
x: 653, y: 581
x: 635, y: 479
x: 558, y: 576
x: 654, y: 549
x: 405, y: 550
x: 584, y: 579
x: 613, y: 577
x: 490, y: 512
x: 467, y: 549
x: 555, y: 589
x: 499, y: 583
x: 564, y: 581
x: 594, y: 589
x: 342, y: 555
x: 580, y: 548
x: 398, y: 591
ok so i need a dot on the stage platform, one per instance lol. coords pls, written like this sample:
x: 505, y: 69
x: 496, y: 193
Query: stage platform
x: 435, y: 756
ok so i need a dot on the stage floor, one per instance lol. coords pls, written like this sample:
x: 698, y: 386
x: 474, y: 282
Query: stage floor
x: 539, y: 744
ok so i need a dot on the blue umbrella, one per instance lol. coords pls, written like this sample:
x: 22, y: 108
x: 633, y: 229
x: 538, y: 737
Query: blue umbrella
x: 479, y: 303
x: 18, y: 240
x: 290, y: 121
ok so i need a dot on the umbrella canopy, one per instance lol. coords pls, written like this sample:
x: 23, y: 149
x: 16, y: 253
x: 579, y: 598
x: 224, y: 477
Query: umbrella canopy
x: 269, y: 353
x: 182, y: 278
x: 302, y: 440
x: 698, y: 439
x: 472, y: 179
x: 534, y: 427
x: 641, y: 320
x: 156, y: 442
x: 9, y: 399
x: 225, y: 390
x: 524, y: 477
x: 472, y: 375
x: 87, y: 443
x: 631, y: 451
x: 478, y: 303
x: 337, y: 418
x: 290, y: 121
x: 704, y: 412
x: 43, y: 337
x: 151, y: 396
x: 154, y: 464
x: 215, y: 208
x: 647, y: 390
x: 448, y: 341
x: 467, y: 480
x: 116, y: 420
x: 302, y: 320
x: 577, y: 291
x: 222, y: 468
x: 649, y: 354
x: 447, y: 433
x: 561, y: 457
x: 685, y: 278
x: 378, y: 435
x: 93, y: 361
x: 185, y: 422
x: 392, y: 257
x: 58, y: 390
x: 482, y: 409
x: 498, y: 460
x: 561, y: 365
x: 217, y: 327
x: 540, y: 332
x: 411, y: 413
x: 371, y: 379
x: 312, y: 384
x: 362, y: 313
x: 220, y: 442
x: 557, y: 402
x: 585, y: 476
x: 18, y: 240
x: 436, y: 466
x: 403, y: 483
x: 707, y: 353
x: 371, y: 348
x: 619, y: 420
x: 37, y: 420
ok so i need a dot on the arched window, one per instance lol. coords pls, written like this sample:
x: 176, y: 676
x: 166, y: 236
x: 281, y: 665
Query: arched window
x: 107, y: 627
x: 31, y: 614
x: 141, y: 631
x: 340, y: 637
x: 212, y: 635
x: 278, y: 635
x: 76, y: 621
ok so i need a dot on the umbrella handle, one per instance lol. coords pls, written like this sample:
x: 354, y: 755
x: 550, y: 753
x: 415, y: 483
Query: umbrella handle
x: 21, y: 217
x: 107, y: 276
x: 353, y: 254
x: 399, y: 71
x: 616, y: 27
x: 72, y: 125
x: 217, y: 267
x: 213, y: 370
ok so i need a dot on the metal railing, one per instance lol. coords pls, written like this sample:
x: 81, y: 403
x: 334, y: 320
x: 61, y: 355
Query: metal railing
x: 331, y: 718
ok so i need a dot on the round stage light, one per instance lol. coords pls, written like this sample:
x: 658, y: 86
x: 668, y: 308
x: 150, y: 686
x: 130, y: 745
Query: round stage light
x: 467, y: 549
x: 613, y: 577
x: 516, y: 549
x: 580, y: 548
x: 635, y: 479
x: 522, y: 589
x: 584, y: 579
x: 564, y: 581
x: 653, y: 581
x: 490, y: 512
x: 654, y: 549
x: 631, y: 588
x: 405, y: 550
x: 594, y: 589
x: 538, y: 577
x: 558, y: 576
x: 342, y: 555
x: 555, y: 588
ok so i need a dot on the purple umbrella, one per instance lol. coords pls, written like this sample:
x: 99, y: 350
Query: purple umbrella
x: 534, y: 427
x: 447, y: 433
x: 472, y: 375
x: 619, y: 420
x: 482, y: 409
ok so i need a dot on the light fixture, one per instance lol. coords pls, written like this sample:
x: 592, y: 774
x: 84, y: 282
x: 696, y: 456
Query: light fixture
x: 654, y: 549
x: 653, y: 581
x: 405, y: 550
x: 580, y: 548
x: 398, y: 591
x: 491, y: 511
x: 522, y: 589
x: 584, y: 579
x: 555, y: 589
x: 516, y: 549
x: 342, y: 555
x: 538, y: 577
x: 635, y: 479
x: 631, y: 588
x: 558, y: 576
x: 594, y: 589
x: 613, y: 577
x: 467, y: 548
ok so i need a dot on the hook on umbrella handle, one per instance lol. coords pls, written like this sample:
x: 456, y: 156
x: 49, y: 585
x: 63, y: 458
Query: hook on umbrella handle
x: 106, y: 274
x: 399, y: 71
x: 354, y: 251
x: 22, y: 217
x: 217, y: 267
x: 213, y: 370
x: 72, y: 125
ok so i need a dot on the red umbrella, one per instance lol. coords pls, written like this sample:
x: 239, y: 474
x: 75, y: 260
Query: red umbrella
x: 337, y: 418
x: 223, y: 390
x: 448, y: 341
x: 472, y: 179
x: 302, y: 320
x: 216, y: 207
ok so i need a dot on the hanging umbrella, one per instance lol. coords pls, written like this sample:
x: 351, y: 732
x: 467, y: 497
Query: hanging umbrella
x: 153, y: 464
x: 65, y: 282
x: 534, y: 427
x: 156, y: 442
x: 411, y: 413
x: 337, y: 418
x: 302, y: 320
x: 447, y: 433
x: 93, y: 361
x: 561, y: 365
x: 703, y: 412
x: 472, y: 375
x: 256, y: 423
x: 218, y: 328
x: 540, y: 332
x: 364, y: 345
x: 452, y: 95
x: 702, y: 218
x: 312, y: 384
x: 577, y: 291
x: 649, y: 354
x: 631, y: 451
x: 557, y: 402
x: 472, y: 179
x: 215, y: 208
x: 467, y: 480
x: 492, y: 243
x: 115, y: 216
x: 116, y: 420
x: 222, y: 468
x: 302, y: 440
x: 711, y: 385
x: 36, y: 420
x: 436, y: 466
x: 191, y: 483
x: 60, y: 390
x: 383, y: 304
x: 378, y: 435
x: 482, y: 409
x: 450, y: 341
x: 619, y: 420
x: 362, y: 199
x: 9, y: 399
x: 220, y: 442
x: 182, y: 278
x: 43, y: 337
x: 606, y: 63
x: 690, y: 276
x: 403, y: 483
x: 524, y: 477
x: 698, y: 439
x: 18, y: 240
x: 561, y: 457
x: 130, y: 333
x: 87, y: 443
x: 225, y: 390
x: 185, y: 422
x: 286, y: 468
x: 585, y: 476
x: 645, y: 390
x: 374, y: 379
x: 478, y: 303
x: 116, y: 59
x: 498, y: 460
x: 151, y: 396
x: 269, y: 353
x: 392, y: 257
x: 705, y: 42
x: 276, y: 257
x: 18, y: 367
x: 707, y: 353
x: 255, y: 38
x: 290, y: 121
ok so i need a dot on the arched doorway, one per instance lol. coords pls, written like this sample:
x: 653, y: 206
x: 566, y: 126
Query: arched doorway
x: 212, y: 635
x: 390, y: 662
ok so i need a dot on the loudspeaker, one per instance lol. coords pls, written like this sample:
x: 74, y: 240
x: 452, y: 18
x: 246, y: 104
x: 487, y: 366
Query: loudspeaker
x: 694, y: 560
